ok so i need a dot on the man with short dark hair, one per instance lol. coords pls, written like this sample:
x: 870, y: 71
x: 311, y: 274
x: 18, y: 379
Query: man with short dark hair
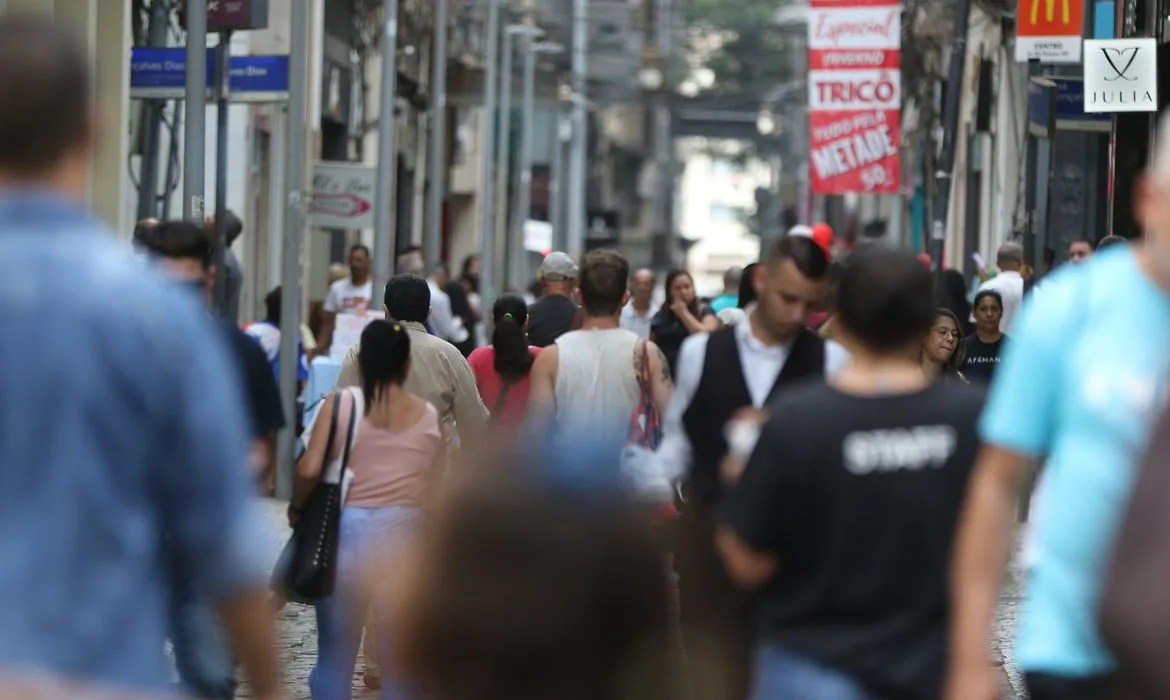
x: 848, y: 483
x: 554, y: 313
x: 122, y: 416
x: 1079, y: 251
x: 438, y: 371
x: 589, y: 378
x: 1108, y: 241
x: 731, y: 371
x: 347, y: 296
x: 182, y: 251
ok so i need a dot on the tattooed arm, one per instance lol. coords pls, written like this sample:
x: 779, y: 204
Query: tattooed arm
x: 662, y: 386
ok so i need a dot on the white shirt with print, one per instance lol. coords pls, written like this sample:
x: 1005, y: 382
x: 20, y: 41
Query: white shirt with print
x: 345, y: 297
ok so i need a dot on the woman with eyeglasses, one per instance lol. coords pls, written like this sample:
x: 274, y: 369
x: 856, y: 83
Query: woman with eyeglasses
x: 942, y: 349
x: 983, y: 347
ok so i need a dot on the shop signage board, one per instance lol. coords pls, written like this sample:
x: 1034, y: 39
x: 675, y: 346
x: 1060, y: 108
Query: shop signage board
x: 855, y: 96
x: 343, y: 196
x: 1121, y: 75
x: 161, y: 74
x: 1049, y: 31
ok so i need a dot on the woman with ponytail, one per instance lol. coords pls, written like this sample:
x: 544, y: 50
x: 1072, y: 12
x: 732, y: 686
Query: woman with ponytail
x: 502, y: 368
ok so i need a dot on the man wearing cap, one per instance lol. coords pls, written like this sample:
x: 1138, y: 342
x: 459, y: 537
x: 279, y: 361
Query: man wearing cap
x: 552, y: 316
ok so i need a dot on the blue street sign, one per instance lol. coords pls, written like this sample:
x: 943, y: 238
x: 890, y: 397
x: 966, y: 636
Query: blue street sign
x: 161, y: 74
x: 1070, y: 106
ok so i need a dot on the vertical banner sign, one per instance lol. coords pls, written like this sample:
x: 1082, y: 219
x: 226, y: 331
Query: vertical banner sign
x: 855, y: 96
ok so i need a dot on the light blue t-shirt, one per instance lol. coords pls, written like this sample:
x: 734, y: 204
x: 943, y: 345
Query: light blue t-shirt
x: 1081, y: 381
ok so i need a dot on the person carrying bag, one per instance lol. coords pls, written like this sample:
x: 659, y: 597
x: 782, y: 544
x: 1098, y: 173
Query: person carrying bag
x: 307, y: 569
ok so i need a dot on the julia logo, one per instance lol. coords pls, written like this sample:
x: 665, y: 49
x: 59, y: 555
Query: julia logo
x: 1120, y: 60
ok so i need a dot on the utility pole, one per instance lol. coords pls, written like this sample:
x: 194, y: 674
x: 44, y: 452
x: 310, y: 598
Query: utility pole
x: 433, y: 245
x: 946, y: 161
x: 387, y: 152
x: 223, y: 57
x: 294, y: 234
x: 487, y: 253
x: 195, y: 127
x: 504, y: 162
x: 580, y: 145
x: 151, y: 122
x: 524, y: 186
x: 556, y: 189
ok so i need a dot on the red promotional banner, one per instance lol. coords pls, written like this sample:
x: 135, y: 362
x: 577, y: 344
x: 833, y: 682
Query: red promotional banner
x: 855, y: 96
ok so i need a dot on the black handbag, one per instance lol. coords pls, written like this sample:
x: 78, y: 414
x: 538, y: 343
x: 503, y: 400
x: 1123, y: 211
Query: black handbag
x: 311, y: 568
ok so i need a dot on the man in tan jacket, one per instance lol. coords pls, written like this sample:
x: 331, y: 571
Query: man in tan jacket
x: 438, y: 373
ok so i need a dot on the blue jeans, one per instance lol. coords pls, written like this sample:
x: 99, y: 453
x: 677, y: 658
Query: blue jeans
x: 366, y: 534
x: 202, y: 655
x: 782, y: 675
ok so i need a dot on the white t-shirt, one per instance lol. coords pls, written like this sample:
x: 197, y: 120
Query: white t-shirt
x: 1010, y: 286
x: 345, y: 297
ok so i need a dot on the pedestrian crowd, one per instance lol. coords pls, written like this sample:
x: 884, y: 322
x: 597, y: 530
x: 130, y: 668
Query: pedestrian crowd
x: 805, y: 488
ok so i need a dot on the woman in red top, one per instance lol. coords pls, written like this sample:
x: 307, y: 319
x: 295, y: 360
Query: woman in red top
x: 502, y: 368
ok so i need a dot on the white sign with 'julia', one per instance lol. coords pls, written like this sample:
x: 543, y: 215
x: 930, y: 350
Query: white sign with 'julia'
x: 1121, y: 75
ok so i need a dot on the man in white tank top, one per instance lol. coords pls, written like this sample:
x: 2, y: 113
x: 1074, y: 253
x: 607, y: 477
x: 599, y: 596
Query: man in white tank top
x: 586, y: 384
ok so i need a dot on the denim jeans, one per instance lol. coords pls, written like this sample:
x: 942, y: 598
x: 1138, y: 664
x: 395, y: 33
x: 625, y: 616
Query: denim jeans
x: 366, y: 533
x: 203, y: 658
x: 782, y: 675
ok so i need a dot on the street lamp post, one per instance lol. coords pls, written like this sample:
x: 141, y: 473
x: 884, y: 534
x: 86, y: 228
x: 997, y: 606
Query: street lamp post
x: 524, y: 188
x: 487, y: 256
x: 504, y: 139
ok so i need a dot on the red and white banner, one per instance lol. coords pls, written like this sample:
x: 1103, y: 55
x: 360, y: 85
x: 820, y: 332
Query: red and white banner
x: 855, y: 96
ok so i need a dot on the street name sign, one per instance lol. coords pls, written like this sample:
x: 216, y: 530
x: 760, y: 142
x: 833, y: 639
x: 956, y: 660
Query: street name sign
x: 161, y: 74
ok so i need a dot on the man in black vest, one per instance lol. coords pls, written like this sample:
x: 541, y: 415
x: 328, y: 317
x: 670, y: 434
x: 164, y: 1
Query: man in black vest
x: 719, y: 375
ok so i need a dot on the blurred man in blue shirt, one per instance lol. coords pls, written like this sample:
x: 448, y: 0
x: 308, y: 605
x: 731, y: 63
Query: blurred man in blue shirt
x: 1082, y: 379
x: 123, y: 435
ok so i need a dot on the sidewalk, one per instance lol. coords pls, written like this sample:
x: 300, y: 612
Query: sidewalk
x: 298, y: 632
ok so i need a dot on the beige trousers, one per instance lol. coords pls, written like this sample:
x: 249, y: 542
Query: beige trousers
x: 370, y: 647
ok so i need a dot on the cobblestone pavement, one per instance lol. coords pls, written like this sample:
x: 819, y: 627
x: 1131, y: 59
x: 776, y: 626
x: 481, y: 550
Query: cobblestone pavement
x: 298, y: 634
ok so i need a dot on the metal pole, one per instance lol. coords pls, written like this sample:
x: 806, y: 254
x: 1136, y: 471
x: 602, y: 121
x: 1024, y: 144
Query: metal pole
x: 195, y: 127
x: 524, y: 186
x: 172, y: 161
x: 504, y: 160
x: 387, y: 152
x: 277, y: 182
x: 438, y: 166
x: 487, y: 253
x: 152, y: 113
x: 946, y: 161
x: 577, y: 184
x: 223, y: 55
x: 556, y: 185
x: 294, y: 234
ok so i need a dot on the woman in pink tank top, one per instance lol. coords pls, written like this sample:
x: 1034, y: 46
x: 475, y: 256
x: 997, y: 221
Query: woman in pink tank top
x: 398, y: 449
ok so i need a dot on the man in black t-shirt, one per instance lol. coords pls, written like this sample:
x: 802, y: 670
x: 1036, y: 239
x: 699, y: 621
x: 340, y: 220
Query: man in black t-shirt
x: 182, y: 251
x: 553, y: 314
x: 844, y: 515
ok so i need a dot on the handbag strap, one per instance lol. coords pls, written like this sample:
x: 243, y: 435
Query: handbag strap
x: 353, y: 417
x: 332, y: 433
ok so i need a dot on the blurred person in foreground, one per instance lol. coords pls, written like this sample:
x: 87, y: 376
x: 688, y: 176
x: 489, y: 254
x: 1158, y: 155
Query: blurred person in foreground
x: 118, y: 426
x: 843, y: 518
x: 530, y: 585
x: 721, y: 376
x: 395, y: 457
x: 1079, y: 386
x: 183, y: 251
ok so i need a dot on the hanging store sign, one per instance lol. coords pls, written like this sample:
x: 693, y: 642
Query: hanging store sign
x: 855, y: 96
x: 1049, y: 31
x: 343, y: 196
x: 1121, y: 75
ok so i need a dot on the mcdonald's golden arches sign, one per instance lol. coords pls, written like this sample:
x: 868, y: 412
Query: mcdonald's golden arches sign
x: 1049, y: 30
